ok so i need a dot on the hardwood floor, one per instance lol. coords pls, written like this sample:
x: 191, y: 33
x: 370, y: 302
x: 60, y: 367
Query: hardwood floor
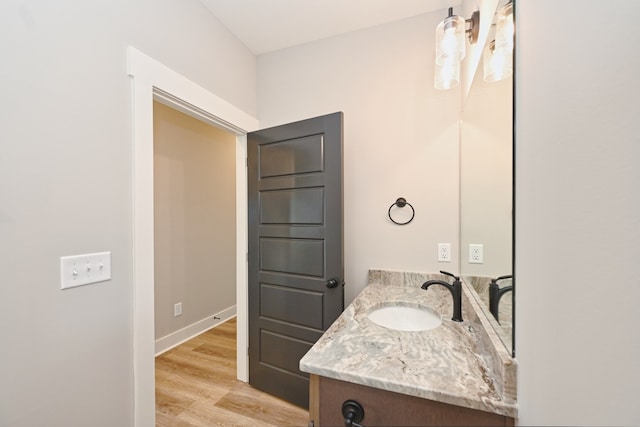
x: 196, y: 386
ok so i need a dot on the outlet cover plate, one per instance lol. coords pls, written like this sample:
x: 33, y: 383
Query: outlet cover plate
x: 444, y: 252
x: 476, y: 254
x: 79, y: 270
x: 177, y: 309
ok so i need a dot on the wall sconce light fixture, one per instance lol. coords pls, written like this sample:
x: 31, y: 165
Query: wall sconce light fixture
x: 447, y: 75
x: 497, y: 65
x: 498, y: 55
x: 451, y: 47
x: 505, y: 29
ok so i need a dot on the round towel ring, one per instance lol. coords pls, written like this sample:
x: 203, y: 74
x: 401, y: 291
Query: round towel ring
x: 401, y: 202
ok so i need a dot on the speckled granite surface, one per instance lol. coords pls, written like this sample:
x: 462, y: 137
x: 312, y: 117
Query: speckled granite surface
x: 503, y: 328
x: 455, y: 363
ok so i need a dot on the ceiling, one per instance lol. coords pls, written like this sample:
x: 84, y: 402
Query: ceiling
x: 268, y: 25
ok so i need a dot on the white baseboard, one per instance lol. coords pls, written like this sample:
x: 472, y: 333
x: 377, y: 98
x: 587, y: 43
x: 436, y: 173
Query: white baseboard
x: 174, y: 339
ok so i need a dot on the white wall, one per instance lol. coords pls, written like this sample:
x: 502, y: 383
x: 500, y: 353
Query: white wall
x: 400, y: 138
x: 578, y: 212
x: 65, y: 188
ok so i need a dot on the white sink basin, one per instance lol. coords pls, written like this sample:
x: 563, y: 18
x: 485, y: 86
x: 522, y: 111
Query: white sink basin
x: 402, y: 318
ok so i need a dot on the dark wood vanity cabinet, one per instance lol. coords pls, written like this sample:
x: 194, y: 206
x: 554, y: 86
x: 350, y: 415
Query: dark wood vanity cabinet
x: 385, y: 408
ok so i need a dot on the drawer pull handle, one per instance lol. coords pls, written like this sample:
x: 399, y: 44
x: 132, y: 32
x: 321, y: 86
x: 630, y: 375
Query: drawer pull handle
x: 353, y: 413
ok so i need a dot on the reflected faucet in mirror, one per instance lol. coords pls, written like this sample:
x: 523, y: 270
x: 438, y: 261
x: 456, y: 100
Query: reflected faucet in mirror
x: 495, y: 293
x: 456, y: 292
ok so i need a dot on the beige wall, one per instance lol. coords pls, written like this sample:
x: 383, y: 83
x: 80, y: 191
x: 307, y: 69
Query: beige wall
x: 486, y: 158
x: 66, y: 189
x: 195, y: 219
x: 400, y: 138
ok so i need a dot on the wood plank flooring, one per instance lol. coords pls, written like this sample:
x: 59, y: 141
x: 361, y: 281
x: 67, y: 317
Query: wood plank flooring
x: 196, y: 386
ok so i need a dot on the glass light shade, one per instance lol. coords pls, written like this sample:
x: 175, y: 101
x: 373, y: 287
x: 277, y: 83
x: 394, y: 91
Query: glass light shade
x: 450, y: 40
x: 497, y: 65
x: 447, y: 75
x: 505, y: 29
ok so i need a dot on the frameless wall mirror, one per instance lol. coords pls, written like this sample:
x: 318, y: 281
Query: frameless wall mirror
x: 486, y: 181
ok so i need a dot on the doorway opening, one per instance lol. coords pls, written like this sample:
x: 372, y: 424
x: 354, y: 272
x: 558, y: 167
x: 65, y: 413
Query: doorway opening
x: 152, y: 80
x: 194, y: 226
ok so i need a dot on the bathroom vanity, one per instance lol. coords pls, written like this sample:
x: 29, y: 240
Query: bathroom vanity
x: 456, y: 373
x: 385, y: 408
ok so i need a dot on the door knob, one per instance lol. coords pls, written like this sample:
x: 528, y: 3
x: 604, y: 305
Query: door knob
x: 332, y: 283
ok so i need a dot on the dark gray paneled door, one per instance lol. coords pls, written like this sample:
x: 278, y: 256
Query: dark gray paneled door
x: 295, y: 248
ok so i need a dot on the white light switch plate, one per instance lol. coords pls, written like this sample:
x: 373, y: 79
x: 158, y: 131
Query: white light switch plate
x: 79, y: 270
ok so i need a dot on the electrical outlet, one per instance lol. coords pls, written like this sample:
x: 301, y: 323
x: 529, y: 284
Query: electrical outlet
x: 177, y: 309
x: 476, y: 255
x: 444, y: 252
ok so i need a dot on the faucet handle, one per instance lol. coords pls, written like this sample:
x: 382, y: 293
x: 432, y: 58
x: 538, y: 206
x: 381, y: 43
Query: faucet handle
x: 446, y: 273
x: 509, y: 276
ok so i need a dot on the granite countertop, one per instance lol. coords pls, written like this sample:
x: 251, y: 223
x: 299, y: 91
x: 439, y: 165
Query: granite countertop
x: 453, y: 363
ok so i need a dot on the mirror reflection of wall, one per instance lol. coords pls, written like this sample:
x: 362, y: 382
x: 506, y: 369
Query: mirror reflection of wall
x: 486, y: 177
x: 486, y: 191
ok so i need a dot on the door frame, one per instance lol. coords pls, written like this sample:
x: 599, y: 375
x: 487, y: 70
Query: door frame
x: 152, y: 80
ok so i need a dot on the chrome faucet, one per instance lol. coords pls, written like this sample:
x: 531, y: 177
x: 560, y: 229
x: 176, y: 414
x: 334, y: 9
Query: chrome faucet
x: 456, y: 292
